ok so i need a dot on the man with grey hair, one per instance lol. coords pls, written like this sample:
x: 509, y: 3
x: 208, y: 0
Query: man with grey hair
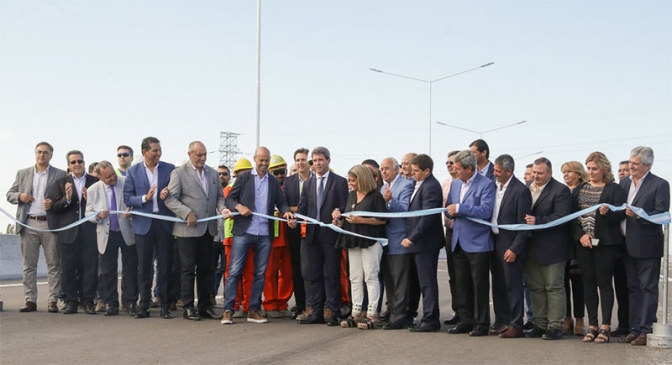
x: 455, y: 301
x: 512, y: 202
x: 644, y: 242
x: 472, y: 195
x: 35, y: 210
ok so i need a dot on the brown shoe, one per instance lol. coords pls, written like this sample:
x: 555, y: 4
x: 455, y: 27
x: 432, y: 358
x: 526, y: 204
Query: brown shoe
x: 567, y: 326
x: 256, y: 317
x: 327, y: 313
x: 579, y: 327
x: 627, y: 339
x: 29, y: 307
x: 305, y: 314
x: 52, y: 307
x: 227, y: 317
x: 512, y: 332
x: 639, y: 341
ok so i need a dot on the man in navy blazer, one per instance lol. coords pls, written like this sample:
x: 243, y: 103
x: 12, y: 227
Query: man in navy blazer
x: 424, y: 239
x: 145, y: 190
x: 319, y: 256
x: 644, y: 242
x: 549, y: 250
x: 254, y: 191
x: 481, y: 150
x: 471, y: 196
x: 395, y: 265
x: 513, y: 202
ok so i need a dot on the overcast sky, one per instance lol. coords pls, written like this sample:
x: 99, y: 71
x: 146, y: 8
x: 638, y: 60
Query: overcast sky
x: 91, y: 75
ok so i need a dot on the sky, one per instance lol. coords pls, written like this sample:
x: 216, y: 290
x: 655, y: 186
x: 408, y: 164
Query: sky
x: 91, y: 75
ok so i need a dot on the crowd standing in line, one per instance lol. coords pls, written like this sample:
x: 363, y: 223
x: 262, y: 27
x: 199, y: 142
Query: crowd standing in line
x: 339, y: 278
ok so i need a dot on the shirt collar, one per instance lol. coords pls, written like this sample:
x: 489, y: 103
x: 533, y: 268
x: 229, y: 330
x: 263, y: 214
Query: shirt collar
x: 254, y: 172
x: 324, y: 176
x: 38, y: 172
x: 506, y: 185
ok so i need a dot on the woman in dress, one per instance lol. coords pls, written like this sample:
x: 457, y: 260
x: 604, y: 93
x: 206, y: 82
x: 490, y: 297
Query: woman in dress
x: 598, y: 241
x: 364, y: 255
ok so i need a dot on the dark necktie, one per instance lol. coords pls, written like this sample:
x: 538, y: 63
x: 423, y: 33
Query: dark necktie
x: 114, y: 220
x: 320, y: 193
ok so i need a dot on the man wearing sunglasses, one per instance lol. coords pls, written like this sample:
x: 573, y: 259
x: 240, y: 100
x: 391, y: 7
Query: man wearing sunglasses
x: 125, y: 158
x: 77, y: 245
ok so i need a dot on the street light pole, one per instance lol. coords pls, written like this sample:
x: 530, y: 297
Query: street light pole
x: 258, y: 84
x: 480, y: 134
x: 430, y: 82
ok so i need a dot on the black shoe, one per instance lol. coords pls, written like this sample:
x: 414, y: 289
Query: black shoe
x: 345, y: 310
x: 478, y: 332
x: 71, y: 308
x: 535, y: 332
x: 424, y: 328
x: 498, y: 328
x: 461, y: 328
x: 190, y: 313
x: 552, y: 334
x: 385, y: 316
x: 312, y: 318
x: 528, y: 326
x: 454, y: 320
x: 395, y: 325
x: 111, y: 310
x: 333, y: 321
x: 208, y: 314
x: 142, y: 313
x: 132, y: 310
x: 165, y: 314
x: 90, y: 308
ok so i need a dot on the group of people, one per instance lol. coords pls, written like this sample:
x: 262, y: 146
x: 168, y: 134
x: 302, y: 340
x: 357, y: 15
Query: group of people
x: 268, y: 234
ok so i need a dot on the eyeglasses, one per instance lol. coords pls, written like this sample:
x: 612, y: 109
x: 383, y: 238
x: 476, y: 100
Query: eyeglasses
x: 450, y: 163
x: 223, y: 173
x: 75, y: 162
x: 279, y: 172
x: 124, y: 154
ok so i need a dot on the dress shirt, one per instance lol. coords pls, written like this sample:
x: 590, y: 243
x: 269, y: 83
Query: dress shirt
x: 417, y: 186
x: 323, y: 180
x: 536, y: 191
x: 485, y: 169
x: 79, y: 185
x: 259, y: 225
x: 463, y: 191
x: 632, y: 193
x: 153, y: 178
x: 445, y: 187
x: 201, y: 177
x: 39, y: 186
x: 108, y: 199
x: 501, y: 189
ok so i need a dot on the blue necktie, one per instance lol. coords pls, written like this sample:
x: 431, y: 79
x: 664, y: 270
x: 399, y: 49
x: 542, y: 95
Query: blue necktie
x: 320, y: 193
x: 114, y: 220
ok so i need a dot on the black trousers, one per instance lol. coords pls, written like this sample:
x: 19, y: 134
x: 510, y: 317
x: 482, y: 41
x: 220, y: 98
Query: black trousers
x: 473, y: 285
x: 597, y: 271
x: 195, y: 263
x: 396, y: 270
x: 455, y: 301
x: 107, y: 281
x: 621, y: 288
x: 413, y: 290
x: 500, y: 296
x: 321, y: 270
x: 576, y: 290
x: 512, y: 281
x: 218, y: 266
x: 159, y: 241
x: 426, y: 264
x: 294, y: 236
x: 80, y: 258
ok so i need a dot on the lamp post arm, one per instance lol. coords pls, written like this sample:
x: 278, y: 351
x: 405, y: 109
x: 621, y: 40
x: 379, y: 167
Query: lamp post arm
x: 398, y: 75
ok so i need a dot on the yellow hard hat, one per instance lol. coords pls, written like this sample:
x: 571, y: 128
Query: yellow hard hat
x: 277, y: 161
x: 241, y: 165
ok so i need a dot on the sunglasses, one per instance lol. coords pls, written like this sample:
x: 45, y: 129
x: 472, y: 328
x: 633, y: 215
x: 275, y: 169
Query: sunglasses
x: 75, y: 162
x: 124, y: 154
x: 449, y: 163
x: 279, y: 172
x: 223, y: 173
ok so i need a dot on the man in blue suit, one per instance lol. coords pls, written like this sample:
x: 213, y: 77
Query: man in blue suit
x: 145, y: 191
x: 424, y: 238
x: 471, y: 196
x: 397, y: 193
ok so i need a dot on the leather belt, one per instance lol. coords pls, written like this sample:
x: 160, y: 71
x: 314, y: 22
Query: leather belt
x: 38, y: 218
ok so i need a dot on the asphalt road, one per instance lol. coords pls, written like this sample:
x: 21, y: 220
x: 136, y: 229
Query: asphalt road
x: 45, y: 338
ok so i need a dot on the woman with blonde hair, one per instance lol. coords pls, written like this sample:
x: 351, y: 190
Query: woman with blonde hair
x: 574, y: 175
x: 598, y: 241
x: 364, y: 255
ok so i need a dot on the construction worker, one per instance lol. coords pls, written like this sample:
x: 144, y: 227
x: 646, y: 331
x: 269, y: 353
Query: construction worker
x: 279, y: 287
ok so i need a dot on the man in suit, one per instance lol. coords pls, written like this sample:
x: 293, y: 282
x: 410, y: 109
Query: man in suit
x: 292, y: 189
x: 77, y: 245
x: 145, y: 190
x: 395, y: 264
x: 455, y: 301
x: 405, y: 166
x: 34, y: 209
x: 424, y: 238
x: 644, y: 242
x: 512, y: 202
x: 259, y: 192
x: 195, y: 193
x: 481, y: 150
x: 472, y: 195
x: 114, y: 234
x: 321, y: 195
x: 548, y: 250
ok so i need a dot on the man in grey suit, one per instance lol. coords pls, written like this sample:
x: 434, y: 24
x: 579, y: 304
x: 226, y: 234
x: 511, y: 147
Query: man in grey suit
x: 114, y: 233
x: 34, y: 210
x: 195, y: 193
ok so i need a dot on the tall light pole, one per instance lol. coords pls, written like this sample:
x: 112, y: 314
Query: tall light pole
x: 258, y: 122
x: 430, y: 82
x: 481, y: 133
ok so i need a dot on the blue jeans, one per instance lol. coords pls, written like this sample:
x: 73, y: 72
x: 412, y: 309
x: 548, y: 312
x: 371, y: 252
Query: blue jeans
x: 239, y: 249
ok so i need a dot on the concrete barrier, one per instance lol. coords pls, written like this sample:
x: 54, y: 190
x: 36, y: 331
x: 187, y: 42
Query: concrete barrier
x: 11, y: 261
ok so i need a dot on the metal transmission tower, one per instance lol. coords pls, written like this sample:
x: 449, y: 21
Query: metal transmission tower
x: 228, y: 148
